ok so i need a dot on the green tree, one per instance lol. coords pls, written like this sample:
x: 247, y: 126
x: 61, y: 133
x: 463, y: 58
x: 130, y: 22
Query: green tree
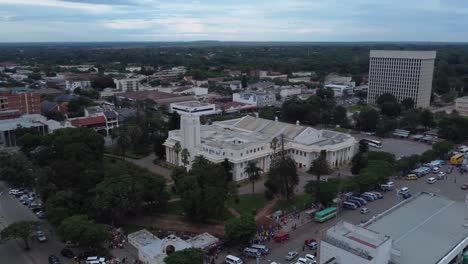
x: 382, y: 155
x: 118, y: 196
x: 253, y: 173
x: 324, y: 192
x: 427, y: 118
x: 391, y: 109
x: 185, y: 154
x: 408, y: 103
x: 441, y: 148
x: 240, y: 230
x: 340, y: 116
x: 102, y: 82
x: 177, y: 149
x: 386, y: 98
x: 186, y: 256
x: 320, y: 167
x: 282, y: 177
x: 21, y: 229
x: 358, y: 162
x: 367, y: 120
x: 244, y: 81
x: 203, y: 190
x: 16, y: 169
x: 406, y: 164
x: 82, y: 230
x: 428, y: 155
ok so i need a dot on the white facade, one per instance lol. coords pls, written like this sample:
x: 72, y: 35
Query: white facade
x: 258, y: 99
x: 341, y: 80
x: 133, y: 68
x: 461, y: 105
x: 193, y: 107
x: 290, y: 92
x: 129, y: 84
x: 405, y: 74
x: 302, y: 74
x: 71, y: 85
x: 339, y: 89
x: 350, y: 244
x: 249, y: 139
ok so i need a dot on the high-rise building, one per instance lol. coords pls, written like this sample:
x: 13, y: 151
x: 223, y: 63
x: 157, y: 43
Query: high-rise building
x: 405, y: 74
x: 13, y: 103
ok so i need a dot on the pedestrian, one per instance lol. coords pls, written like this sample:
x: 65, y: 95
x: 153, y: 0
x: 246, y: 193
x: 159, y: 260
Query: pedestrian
x: 124, y: 259
x: 303, y: 248
x: 455, y: 179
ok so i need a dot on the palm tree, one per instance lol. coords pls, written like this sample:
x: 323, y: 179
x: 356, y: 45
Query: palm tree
x: 253, y: 172
x: 318, y: 168
x: 274, y: 144
x: 177, y: 149
x: 185, y: 154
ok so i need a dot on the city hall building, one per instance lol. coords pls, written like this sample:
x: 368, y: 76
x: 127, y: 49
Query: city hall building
x: 250, y: 139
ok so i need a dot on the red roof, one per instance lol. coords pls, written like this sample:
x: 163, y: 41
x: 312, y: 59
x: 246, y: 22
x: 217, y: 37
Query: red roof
x: 88, y: 121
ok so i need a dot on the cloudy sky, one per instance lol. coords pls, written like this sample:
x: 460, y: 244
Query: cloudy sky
x: 238, y: 20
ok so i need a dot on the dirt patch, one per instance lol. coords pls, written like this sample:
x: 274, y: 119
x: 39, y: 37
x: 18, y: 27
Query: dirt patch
x: 261, y: 217
x: 178, y: 224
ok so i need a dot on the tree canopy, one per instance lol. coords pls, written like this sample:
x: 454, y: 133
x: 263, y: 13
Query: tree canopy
x: 186, y: 256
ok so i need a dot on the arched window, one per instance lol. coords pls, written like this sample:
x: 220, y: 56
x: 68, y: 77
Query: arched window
x: 170, y: 249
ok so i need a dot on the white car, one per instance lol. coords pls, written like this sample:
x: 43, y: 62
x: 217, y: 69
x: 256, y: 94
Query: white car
x: 291, y: 255
x: 403, y: 190
x: 431, y: 180
x: 303, y: 261
x: 365, y: 210
x: 311, y: 258
x: 13, y: 191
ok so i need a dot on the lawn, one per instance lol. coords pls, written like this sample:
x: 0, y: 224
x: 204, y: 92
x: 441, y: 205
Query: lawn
x: 174, y: 208
x: 298, y: 202
x: 356, y: 108
x: 249, y: 203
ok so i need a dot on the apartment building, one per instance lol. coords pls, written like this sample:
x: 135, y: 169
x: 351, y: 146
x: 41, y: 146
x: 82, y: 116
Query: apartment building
x: 127, y: 84
x: 16, y: 103
x: 405, y: 74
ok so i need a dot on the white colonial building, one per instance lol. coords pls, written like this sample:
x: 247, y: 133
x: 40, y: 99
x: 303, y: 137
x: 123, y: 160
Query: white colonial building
x: 249, y: 139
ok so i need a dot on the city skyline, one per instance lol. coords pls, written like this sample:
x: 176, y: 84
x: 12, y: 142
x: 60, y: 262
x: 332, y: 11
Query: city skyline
x: 293, y: 20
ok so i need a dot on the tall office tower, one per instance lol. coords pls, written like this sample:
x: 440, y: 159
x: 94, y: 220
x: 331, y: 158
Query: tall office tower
x: 405, y: 74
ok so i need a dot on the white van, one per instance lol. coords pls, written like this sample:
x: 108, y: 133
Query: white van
x: 230, y: 259
x: 262, y: 248
x: 252, y: 252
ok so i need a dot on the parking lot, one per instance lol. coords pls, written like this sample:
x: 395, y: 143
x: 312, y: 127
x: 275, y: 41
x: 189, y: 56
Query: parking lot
x: 449, y: 187
x: 398, y: 147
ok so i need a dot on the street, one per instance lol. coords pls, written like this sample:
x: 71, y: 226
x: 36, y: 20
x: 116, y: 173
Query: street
x: 448, y: 188
x: 13, y: 252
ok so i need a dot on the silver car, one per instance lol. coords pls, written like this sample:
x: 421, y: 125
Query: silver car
x: 291, y: 255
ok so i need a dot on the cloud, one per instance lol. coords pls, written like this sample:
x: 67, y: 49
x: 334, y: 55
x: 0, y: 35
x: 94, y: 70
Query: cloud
x: 86, y: 7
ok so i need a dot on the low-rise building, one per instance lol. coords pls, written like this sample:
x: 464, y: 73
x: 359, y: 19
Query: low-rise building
x: 133, y: 68
x: 127, y: 84
x: 272, y: 75
x: 289, y: 91
x: 193, y: 107
x: 461, y: 105
x: 37, y: 122
x: 233, y: 85
x: 153, y: 250
x: 340, y: 89
x: 426, y: 228
x: 250, y: 138
x: 72, y: 84
x: 14, y: 103
x: 257, y: 99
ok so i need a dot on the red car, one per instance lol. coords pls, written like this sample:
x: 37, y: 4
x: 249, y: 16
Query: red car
x: 311, y: 243
x: 464, y: 186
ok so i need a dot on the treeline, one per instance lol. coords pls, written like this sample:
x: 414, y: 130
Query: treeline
x: 78, y: 186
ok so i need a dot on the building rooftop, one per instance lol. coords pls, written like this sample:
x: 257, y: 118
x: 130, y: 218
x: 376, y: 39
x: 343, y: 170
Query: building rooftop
x: 403, y: 54
x: 203, y: 241
x: 142, y: 95
x: 191, y: 104
x: 87, y: 121
x: 424, y: 228
x: 25, y: 121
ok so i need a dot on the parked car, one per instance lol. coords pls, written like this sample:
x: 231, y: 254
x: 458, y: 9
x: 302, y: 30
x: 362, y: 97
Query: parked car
x: 68, y: 253
x: 411, y: 177
x: 13, y: 191
x: 311, y: 258
x: 291, y: 255
x: 464, y: 186
x: 441, y: 175
x: 435, y: 169
x: 379, y: 195
x: 303, y: 261
x: 40, y: 215
x: 281, y: 237
x: 431, y: 180
x: 40, y: 236
x: 365, y: 210
x: 54, y: 259
x: 406, y: 195
x: 311, y: 243
x: 403, y: 190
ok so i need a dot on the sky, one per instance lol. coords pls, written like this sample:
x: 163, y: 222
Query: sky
x: 233, y: 20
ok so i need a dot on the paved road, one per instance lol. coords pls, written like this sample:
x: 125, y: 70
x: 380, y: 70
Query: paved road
x: 12, y: 252
x: 399, y: 147
x: 448, y: 188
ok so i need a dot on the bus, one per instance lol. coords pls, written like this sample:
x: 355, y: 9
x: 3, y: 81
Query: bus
x: 457, y: 159
x: 325, y: 214
x: 373, y: 143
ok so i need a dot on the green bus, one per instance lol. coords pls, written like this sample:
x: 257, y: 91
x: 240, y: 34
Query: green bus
x: 325, y: 214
